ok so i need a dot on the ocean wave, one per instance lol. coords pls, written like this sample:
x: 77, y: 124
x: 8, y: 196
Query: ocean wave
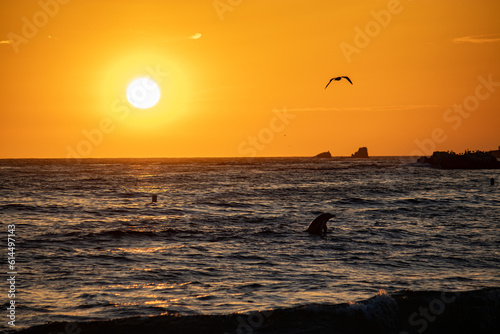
x: 18, y: 207
x: 107, y: 234
x: 133, y: 232
x: 402, y: 312
x: 120, y: 233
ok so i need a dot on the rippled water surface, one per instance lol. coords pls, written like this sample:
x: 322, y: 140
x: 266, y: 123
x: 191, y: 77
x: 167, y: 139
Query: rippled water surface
x: 227, y: 235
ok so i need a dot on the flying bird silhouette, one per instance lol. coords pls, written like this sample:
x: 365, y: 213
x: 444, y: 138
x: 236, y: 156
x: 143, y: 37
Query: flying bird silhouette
x: 337, y: 79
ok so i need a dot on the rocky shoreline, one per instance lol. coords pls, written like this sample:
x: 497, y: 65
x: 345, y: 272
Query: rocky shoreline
x: 467, y: 160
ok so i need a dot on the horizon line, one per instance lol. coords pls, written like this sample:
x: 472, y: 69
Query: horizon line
x: 213, y: 157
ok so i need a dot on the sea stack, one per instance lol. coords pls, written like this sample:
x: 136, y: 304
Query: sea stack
x: 324, y: 155
x: 362, y: 153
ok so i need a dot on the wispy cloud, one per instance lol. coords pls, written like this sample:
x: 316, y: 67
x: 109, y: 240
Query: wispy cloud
x: 369, y: 109
x: 196, y: 36
x: 5, y: 42
x: 478, y: 39
x: 162, y: 38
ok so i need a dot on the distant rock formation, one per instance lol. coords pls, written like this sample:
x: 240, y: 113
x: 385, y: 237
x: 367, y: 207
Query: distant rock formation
x: 496, y: 153
x: 324, y: 155
x: 467, y: 160
x: 362, y: 153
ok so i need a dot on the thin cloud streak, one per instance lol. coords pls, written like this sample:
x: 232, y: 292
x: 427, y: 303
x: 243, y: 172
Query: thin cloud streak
x: 478, y: 39
x: 5, y: 42
x: 369, y: 109
x: 161, y: 38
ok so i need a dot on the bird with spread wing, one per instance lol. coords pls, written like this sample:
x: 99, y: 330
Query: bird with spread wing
x: 338, y: 79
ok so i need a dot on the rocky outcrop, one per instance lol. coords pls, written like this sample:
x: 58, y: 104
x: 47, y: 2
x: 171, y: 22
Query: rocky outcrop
x: 467, y: 160
x: 324, y: 155
x: 496, y: 153
x: 362, y: 153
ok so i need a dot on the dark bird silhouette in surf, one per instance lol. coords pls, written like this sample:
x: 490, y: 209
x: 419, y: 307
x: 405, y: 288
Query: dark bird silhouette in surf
x: 338, y: 79
x: 318, y: 225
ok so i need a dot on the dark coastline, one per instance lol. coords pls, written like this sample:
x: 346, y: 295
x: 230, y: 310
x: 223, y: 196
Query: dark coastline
x: 467, y: 160
x: 429, y: 312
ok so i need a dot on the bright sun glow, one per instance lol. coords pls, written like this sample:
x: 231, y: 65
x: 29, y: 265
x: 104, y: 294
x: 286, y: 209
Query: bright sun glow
x: 143, y: 93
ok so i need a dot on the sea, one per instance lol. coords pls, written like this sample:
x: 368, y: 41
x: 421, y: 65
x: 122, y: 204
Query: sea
x: 411, y: 249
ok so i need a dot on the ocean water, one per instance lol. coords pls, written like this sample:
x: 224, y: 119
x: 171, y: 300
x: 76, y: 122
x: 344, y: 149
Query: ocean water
x: 227, y: 235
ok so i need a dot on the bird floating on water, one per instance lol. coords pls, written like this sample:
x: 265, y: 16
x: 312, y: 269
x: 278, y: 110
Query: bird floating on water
x: 338, y: 79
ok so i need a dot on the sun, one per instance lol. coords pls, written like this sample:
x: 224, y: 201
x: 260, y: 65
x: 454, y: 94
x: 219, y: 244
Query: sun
x: 143, y: 93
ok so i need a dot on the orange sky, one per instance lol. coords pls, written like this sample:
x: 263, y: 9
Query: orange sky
x: 426, y: 77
